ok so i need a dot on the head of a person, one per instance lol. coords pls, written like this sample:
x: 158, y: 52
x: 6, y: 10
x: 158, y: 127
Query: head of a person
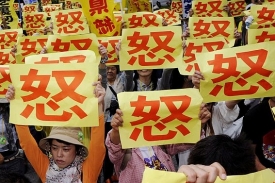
x: 147, y: 73
x: 235, y: 155
x: 4, y: 106
x: 178, y: 81
x: 112, y: 72
x: 64, y: 144
x: 13, y: 178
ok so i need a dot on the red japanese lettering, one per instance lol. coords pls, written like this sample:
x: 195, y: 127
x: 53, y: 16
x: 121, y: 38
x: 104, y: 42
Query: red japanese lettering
x: 98, y: 6
x: 4, y: 58
x: 265, y: 36
x: 5, y: 77
x: 201, y: 28
x: 135, y: 21
x: 151, y: 20
x: 67, y: 27
x: 106, y: 25
x: 266, y: 15
x: 200, y: 8
x: 215, y: 7
x: 60, y: 46
x: 220, y: 27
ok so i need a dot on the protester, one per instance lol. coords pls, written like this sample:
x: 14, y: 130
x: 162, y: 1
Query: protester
x: 130, y: 163
x: 67, y: 159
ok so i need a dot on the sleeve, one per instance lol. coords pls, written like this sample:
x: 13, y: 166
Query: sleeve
x: 103, y: 74
x: 93, y: 164
x: 177, y: 148
x: 129, y: 86
x: 115, y: 152
x: 164, y: 83
x: 36, y: 157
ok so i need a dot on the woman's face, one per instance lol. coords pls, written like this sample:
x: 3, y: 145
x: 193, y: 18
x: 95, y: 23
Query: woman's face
x: 63, y: 154
x: 145, y: 73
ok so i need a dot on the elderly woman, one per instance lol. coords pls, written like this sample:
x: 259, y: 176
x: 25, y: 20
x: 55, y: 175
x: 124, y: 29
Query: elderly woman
x: 67, y: 159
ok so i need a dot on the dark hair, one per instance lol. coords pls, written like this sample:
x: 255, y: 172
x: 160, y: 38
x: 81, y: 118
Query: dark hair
x: 235, y: 155
x: 154, y: 79
x: 177, y: 80
x: 13, y: 178
x: 77, y: 147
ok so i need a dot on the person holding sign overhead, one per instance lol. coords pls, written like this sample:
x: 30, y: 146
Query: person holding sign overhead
x: 67, y: 159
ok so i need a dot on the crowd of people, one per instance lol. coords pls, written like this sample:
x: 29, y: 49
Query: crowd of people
x: 237, y: 137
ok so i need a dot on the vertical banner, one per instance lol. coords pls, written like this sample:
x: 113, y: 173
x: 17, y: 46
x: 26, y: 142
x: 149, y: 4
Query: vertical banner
x: 8, y: 38
x: 171, y: 17
x: 63, y: 95
x: 101, y: 20
x: 110, y: 44
x: 236, y: 7
x: 29, y: 45
x: 151, y: 48
x: 5, y: 80
x: 58, y: 43
x: 172, y: 117
x: 261, y: 35
x: 11, y: 18
x: 176, y: 6
x: 201, y: 27
x: 238, y: 73
x: 195, y: 46
x: 209, y: 8
x: 142, y: 19
x: 69, y: 22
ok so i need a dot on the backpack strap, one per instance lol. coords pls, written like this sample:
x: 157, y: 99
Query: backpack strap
x: 113, y: 91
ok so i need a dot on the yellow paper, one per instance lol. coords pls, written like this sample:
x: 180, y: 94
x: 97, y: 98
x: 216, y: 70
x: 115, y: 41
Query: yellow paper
x: 72, y: 4
x: 261, y: 35
x: 159, y: 117
x: 110, y: 44
x: 29, y: 8
x: 29, y: 45
x: 238, y: 73
x: 264, y: 16
x: 50, y: 8
x: 8, y: 38
x: 151, y: 48
x: 100, y: 17
x: 194, y: 46
x: 236, y: 7
x: 6, y: 57
x: 142, y: 19
x: 5, y: 80
x: 69, y: 22
x: 35, y: 20
x: 176, y: 5
x: 171, y: 17
x: 212, y: 27
x: 139, y: 6
x: 61, y: 96
x: 31, y: 32
x: 16, y: 6
x: 58, y: 43
x: 209, y: 8
x: 46, y: 2
x: 269, y: 2
x: 81, y: 56
x: 264, y: 176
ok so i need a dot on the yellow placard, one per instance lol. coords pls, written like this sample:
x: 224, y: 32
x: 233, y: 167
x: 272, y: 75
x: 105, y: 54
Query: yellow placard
x: 8, y: 37
x: 139, y: 6
x: 5, y: 80
x: 29, y: 8
x: 151, y: 48
x: 61, y: 96
x: 159, y: 117
x: 176, y: 6
x: 118, y: 18
x: 72, y: 4
x: 57, y: 43
x: 69, y: 22
x: 6, y: 57
x: 50, y: 8
x: 264, y: 15
x: 37, y: 32
x: 264, y: 176
x: 238, y: 73
x: 142, y: 19
x: 29, y: 45
x: 11, y: 18
x: 209, y: 8
x: 268, y: 2
x: 237, y: 7
x: 46, y: 2
x: 261, y: 35
x: 110, y: 44
x: 100, y: 17
x: 81, y: 56
x: 37, y: 20
x: 16, y: 6
x: 194, y: 46
x: 201, y: 27
x: 171, y: 17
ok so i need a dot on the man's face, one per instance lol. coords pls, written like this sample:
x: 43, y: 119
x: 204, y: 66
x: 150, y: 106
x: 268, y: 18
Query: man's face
x: 111, y: 72
x: 63, y: 154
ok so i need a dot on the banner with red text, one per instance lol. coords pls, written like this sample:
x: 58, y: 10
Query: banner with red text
x: 151, y: 48
x: 6, y: 57
x: 69, y: 22
x: 264, y: 16
x: 142, y: 19
x: 236, y: 7
x: 238, y: 73
x: 176, y: 6
x: 110, y: 44
x: 37, y: 20
x: 8, y: 37
x: 5, y: 80
x: 62, y: 94
x: 209, y: 8
x: 159, y: 117
x: 139, y: 6
x: 194, y: 46
x: 171, y: 17
x: 261, y: 35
